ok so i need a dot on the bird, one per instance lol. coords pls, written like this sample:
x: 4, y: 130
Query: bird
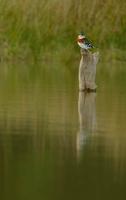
x: 83, y: 42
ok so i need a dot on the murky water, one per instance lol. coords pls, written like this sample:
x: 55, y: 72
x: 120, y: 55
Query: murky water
x: 58, y: 143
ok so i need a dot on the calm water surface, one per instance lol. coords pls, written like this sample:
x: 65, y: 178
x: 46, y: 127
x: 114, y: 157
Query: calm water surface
x: 58, y: 143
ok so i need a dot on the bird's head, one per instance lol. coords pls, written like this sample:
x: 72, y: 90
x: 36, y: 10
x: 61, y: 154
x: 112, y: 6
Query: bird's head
x: 81, y: 38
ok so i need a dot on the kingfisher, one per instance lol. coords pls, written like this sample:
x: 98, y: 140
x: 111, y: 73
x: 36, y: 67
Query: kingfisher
x: 83, y: 42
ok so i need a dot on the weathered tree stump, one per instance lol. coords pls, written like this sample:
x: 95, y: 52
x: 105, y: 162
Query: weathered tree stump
x: 87, y: 70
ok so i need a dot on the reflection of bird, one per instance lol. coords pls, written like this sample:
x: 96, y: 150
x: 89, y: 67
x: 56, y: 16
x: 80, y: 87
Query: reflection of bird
x: 83, y: 42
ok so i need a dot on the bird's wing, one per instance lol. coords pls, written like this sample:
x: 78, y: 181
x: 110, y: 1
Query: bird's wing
x: 88, y: 43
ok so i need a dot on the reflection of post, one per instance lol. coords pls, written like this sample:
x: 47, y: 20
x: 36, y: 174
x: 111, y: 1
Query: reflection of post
x: 87, y: 70
x: 87, y: 117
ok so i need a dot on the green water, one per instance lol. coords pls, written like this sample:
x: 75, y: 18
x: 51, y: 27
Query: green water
x: 57, y: 143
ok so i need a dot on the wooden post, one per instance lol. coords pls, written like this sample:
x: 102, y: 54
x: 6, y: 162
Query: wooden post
x: 87, y: 70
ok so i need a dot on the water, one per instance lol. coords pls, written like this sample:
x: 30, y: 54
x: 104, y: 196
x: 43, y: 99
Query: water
x: 58, y: 143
